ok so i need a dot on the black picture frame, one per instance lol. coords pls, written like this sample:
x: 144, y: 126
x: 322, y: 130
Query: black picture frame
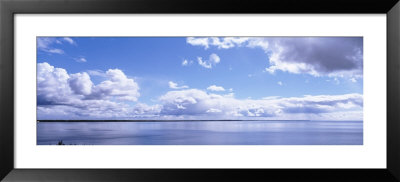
x: 9, y: 8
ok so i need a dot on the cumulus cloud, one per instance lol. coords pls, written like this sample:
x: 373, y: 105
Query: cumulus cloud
x: 52, y: 85
x: 56, y: 89
x: 197, y: 103
x: 117, y: 86
x: 215, y: 88
x: 280, y: 83
x: 174, y: 85
x: 80, y: 83
x: 322, y: 103
x: 339, y: 56
x: 317, y: 56
x: 74, y: 96
x: 212, y: 60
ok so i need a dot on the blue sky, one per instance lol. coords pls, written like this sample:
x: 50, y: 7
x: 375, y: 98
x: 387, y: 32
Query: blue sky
x: 200, y: 78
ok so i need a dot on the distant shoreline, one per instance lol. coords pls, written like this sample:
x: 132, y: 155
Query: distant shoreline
x: 163, y: 120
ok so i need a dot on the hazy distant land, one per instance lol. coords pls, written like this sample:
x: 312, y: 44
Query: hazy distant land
x: 160, y: 120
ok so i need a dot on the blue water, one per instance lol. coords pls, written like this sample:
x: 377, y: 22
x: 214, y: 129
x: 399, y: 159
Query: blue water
x: 202, y: 133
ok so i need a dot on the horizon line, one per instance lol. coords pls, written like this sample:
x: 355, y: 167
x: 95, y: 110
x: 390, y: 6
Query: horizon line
x: 164, y: 120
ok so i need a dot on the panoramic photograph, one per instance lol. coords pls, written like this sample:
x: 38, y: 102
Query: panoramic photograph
x: 199, y: 90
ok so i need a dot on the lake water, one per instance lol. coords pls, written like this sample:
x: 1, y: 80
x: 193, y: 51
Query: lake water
x: 202, y: 133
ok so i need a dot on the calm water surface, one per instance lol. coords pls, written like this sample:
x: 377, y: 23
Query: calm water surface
x: 202, y: 133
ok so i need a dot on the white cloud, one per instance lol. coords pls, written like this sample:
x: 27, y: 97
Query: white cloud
x: 185, y: 102
x: 228, y: 42
x: 220, y: 43
x: 258, y: 43
x: 52, y: 85
x: 145, y: 110
x: 212, y: 110
x: 317, y: 56
x: 187, y: 62
x: 213, y: 60
x: 74, y: 96
x: 56, y: 86
x: 117, y: 86
x: 80, y: 60
x: 204, y: 63
x: 96, y: 73
x: 280, y: 83
x: 45, y: 44
x: 198, y: 41
x: 215, y: 88
x: 338, y: 56
x: 174, y: 85
x: 55, y: 51
x: 87, y: 109
x: 80, y: 83
x: 353, y: 80
x: 69, y: 40
x: 197, y: 103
